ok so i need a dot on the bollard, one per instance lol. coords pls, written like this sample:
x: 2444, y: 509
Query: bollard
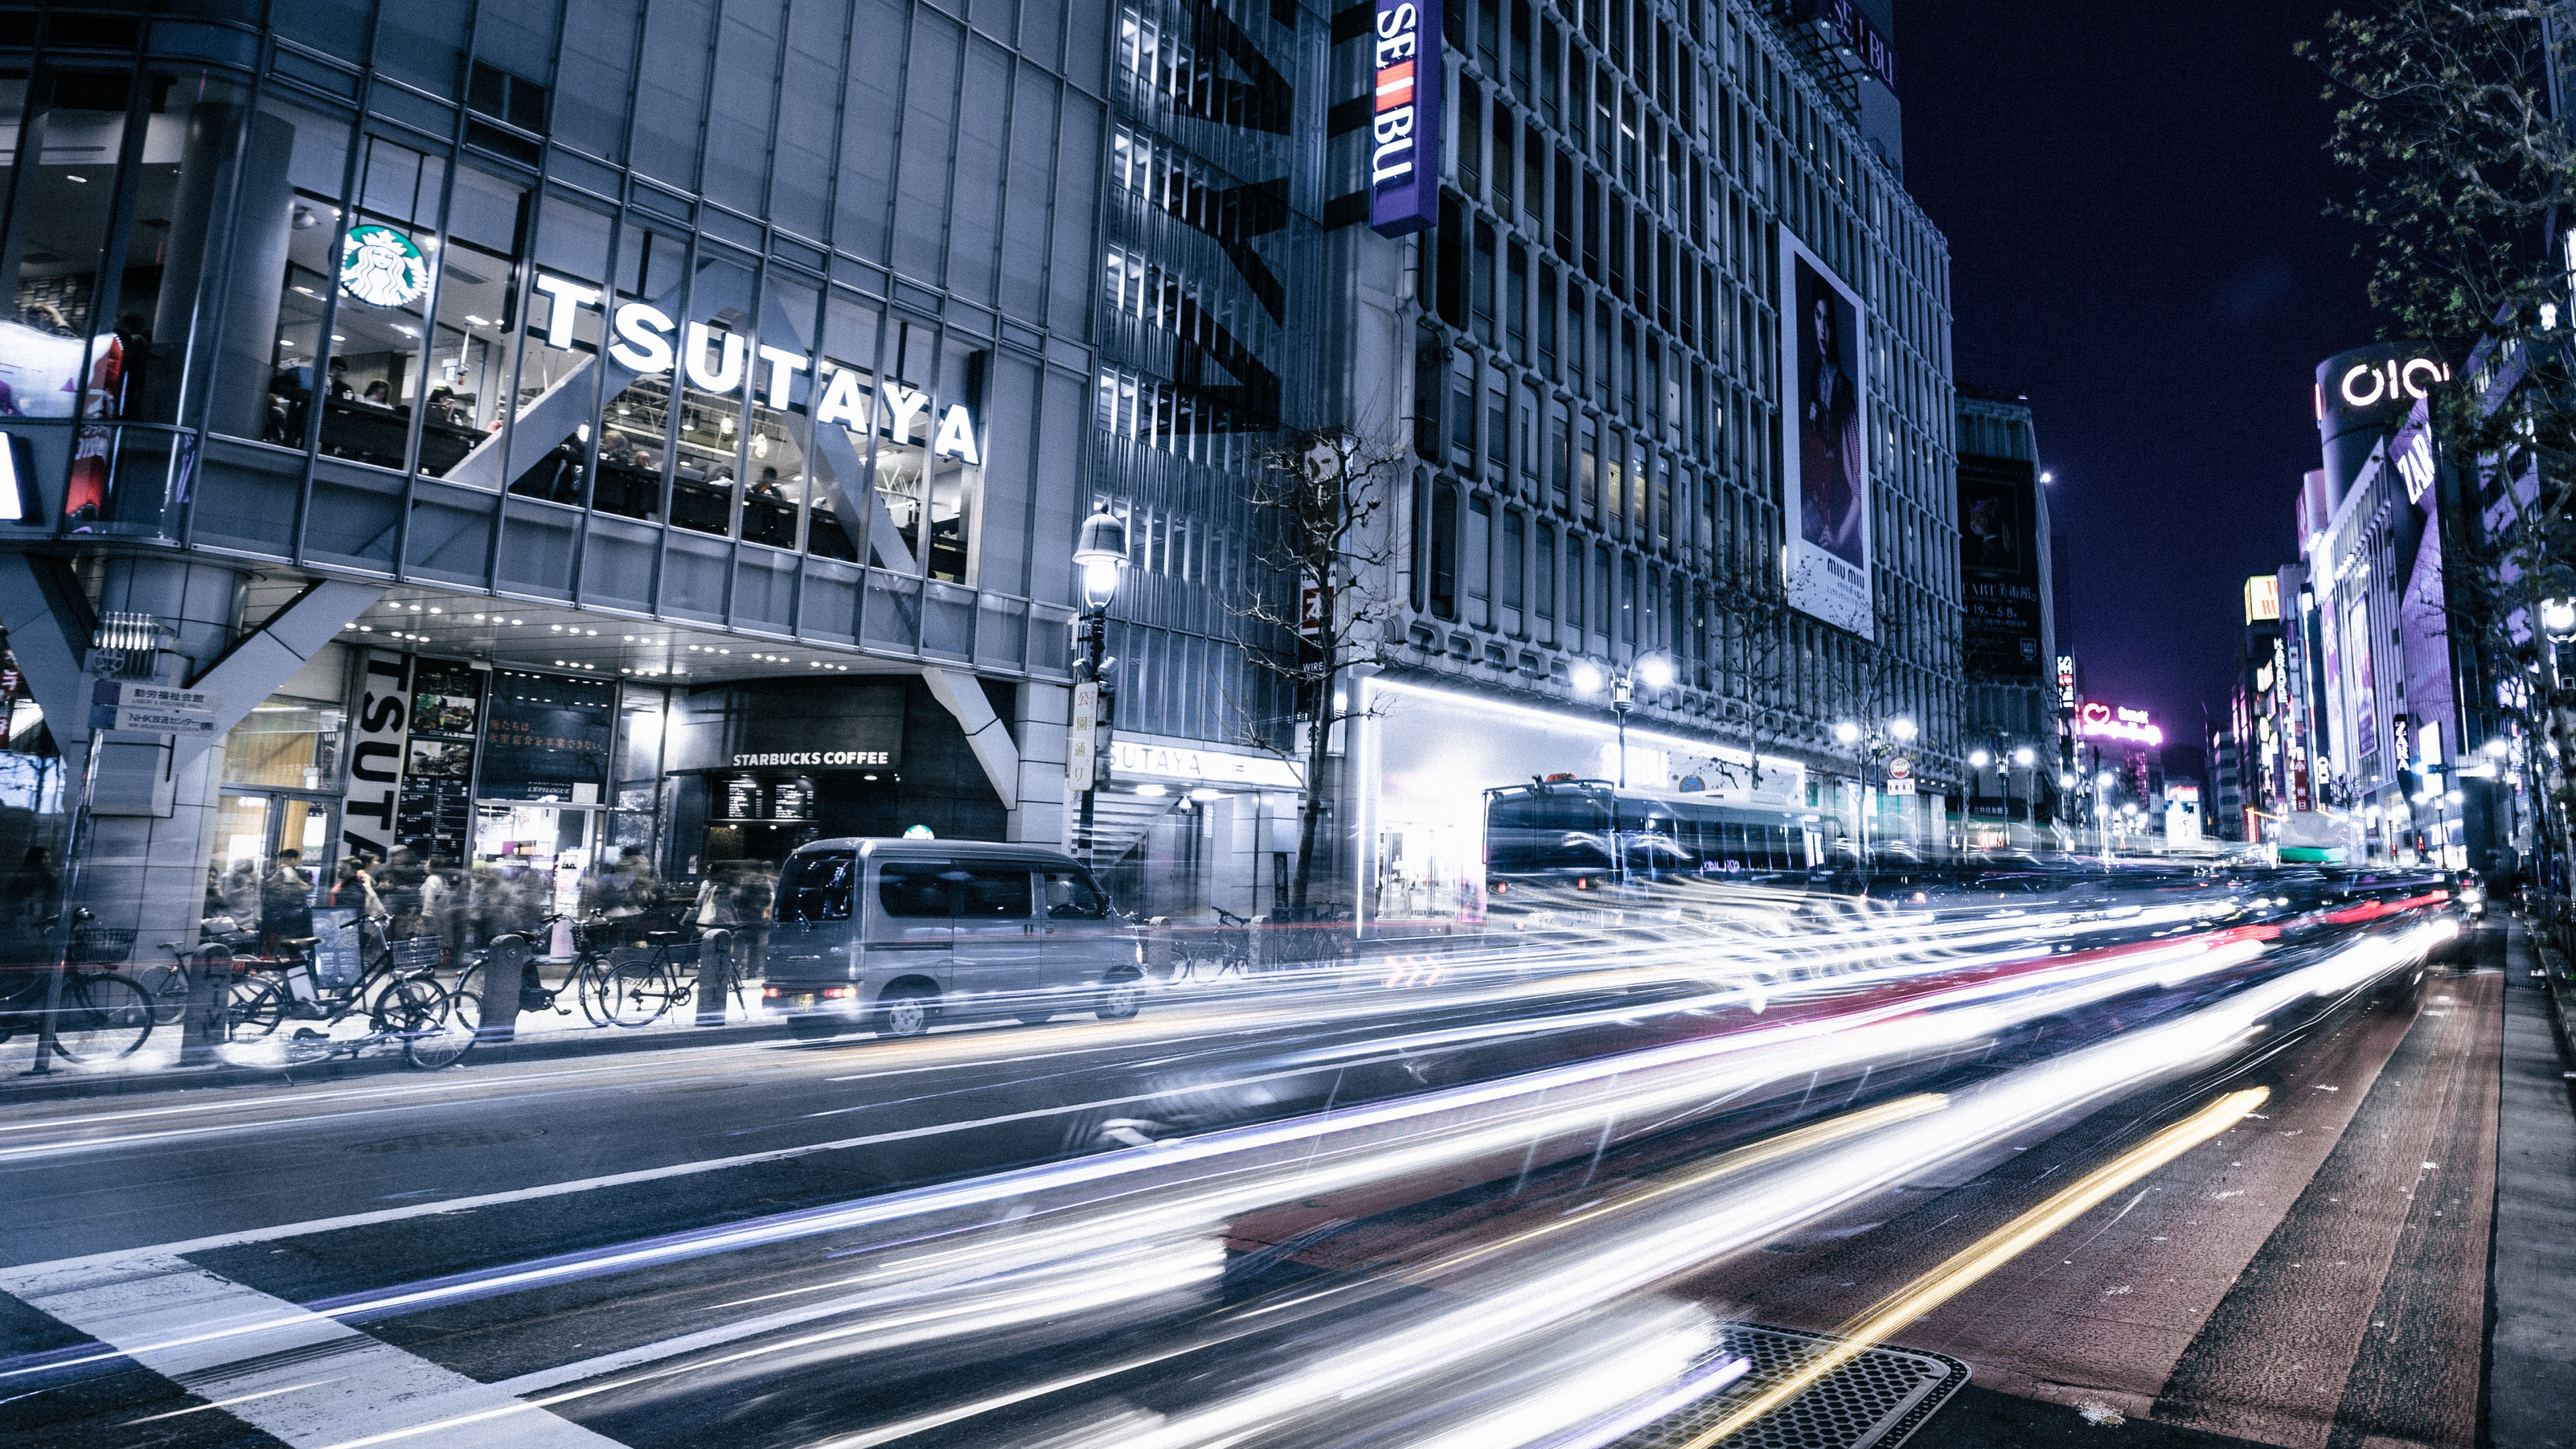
x: 715, y: 974
x: 503, y: 979
x: 208, y: 1022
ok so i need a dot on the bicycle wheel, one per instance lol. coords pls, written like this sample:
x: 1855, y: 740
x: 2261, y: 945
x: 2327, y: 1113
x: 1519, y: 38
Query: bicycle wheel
x: 425, y: 1016
x: 465, y: 999
x: 254, y: 1008
x: 104, y: 1016
x: 637, y: 993
x: 168, y: 988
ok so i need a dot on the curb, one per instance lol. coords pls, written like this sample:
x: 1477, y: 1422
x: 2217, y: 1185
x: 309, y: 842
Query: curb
x: 18, y: 1087
x: 2558, y: 983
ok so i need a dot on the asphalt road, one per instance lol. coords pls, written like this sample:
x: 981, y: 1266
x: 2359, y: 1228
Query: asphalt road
x: 1091, y: 1233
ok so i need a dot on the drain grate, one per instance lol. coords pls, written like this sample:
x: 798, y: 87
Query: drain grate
x: 1876, y: 1401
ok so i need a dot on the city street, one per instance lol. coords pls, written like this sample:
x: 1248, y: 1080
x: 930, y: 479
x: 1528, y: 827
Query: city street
x: 1144, y: 1231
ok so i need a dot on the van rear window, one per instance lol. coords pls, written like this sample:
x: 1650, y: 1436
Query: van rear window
x: 816, y: 886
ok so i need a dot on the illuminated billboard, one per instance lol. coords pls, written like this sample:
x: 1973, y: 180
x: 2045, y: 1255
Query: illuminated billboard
x: 1825, y: 446
x: 2262, y: 598
x: 2099, y: 721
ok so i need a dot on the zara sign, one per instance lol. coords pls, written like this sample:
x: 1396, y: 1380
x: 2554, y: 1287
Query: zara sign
x: 646, y: 340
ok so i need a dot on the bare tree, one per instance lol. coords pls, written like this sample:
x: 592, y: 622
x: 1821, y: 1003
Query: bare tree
x: 1758, y: 645
x: 1327, y: 494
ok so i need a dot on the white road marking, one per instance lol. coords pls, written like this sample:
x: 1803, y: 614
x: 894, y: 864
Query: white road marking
x: 257, y: 1357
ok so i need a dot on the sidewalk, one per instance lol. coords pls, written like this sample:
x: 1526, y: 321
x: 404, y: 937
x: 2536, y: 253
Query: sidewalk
x: 2531, y: 1373
x: 540, y: 1036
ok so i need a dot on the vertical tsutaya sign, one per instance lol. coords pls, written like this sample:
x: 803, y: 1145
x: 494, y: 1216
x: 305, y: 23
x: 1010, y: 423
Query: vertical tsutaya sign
x: 375, y: 757
x: 1404, y: 124
x: 1826, y: 443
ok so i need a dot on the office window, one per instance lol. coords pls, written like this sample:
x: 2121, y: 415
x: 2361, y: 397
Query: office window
x: 1628, y: 599
x: 1543, y: 583
x: 1510, y: 563
x: 1558, y: 468
x: 1479, y: 562
x: 1444, y: 550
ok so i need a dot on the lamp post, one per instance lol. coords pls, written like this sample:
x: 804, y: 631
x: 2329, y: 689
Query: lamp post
x: 1654, y: 671
x: 1100, y: 556
x: 1877, y: 747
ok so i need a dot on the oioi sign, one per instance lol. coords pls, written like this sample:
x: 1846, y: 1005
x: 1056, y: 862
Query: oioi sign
x: 1404, y: 118
x: 643, y: 338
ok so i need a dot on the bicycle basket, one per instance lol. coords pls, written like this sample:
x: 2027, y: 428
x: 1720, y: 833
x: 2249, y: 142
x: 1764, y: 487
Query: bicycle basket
x: 100, y: 946
x: 415, y: 954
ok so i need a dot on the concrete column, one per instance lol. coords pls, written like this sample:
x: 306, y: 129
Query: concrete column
x: 1042, y: 817
x: 152, y: 823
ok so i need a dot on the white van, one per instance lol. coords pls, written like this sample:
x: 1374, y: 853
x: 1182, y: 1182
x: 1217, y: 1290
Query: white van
x: 903, y: 934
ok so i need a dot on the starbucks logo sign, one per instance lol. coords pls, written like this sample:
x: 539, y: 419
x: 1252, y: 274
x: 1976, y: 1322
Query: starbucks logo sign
x: 382, y: 267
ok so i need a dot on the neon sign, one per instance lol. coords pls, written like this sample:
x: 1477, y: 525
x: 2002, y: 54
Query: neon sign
x: 2368, y: 384
x: 2066, y: 683
x: 1404, y: 124
x: 717, y: 362
x: 2097, y: 720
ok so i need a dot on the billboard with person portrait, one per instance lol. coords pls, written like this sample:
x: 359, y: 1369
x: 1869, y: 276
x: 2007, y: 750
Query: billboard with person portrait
x: 1824, y: 442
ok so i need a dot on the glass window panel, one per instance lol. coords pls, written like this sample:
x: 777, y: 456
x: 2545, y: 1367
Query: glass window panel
x: 292, y: 743
x: 921, y: 202
x: 871, y: 112
x: 634, y: 425
x: 598, y: 64
x: 677, y: 32
x: 738, y: 118
x: 802, y: 181
x: 715, y: 367
x: 293, y: 167
x: 850, y: 332
x: 571, y: 246
x: 904, y: 434
x: 375, y: 272
x: 774, y: 502
x: 478, y: 318
x: 53, y: 358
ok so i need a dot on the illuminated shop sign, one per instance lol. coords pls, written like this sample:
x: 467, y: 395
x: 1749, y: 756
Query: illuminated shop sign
x: 1860, y: 40
x: 1404, y: 123
x: 2413, y: 454
x: 382, y: 267
x: 642, y: 341
x: 2066, y: 682
x: 778, y: 759
x: 2097, y: 720
x: 2368, y: 384
x: 2262, y: 598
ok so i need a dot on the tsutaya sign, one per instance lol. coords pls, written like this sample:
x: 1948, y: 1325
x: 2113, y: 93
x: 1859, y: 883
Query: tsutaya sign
x: 1404, y: 118
x: 642, y: 337
x: 2097, y: 720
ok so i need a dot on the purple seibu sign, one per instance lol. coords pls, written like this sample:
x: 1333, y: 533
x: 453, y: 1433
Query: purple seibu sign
x: 1404, y: 121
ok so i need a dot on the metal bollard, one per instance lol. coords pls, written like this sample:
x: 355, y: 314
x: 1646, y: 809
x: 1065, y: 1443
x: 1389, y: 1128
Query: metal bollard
x: 208, y: 1022
x: 505, y: 963
x: 715, y: 975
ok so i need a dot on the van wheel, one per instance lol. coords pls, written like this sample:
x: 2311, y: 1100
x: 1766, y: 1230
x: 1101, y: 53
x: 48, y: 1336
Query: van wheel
x: 1036, y: 1018
x: 812, y: 1027
x: 1120, y: 998
x: 905, y: 1011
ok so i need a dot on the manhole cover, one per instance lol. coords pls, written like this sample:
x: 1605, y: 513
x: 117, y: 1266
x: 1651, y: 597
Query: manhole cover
x: 1875, y: 1401
x: 441, y: 1141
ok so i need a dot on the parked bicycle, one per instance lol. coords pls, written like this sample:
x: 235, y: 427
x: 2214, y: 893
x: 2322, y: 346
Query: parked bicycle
x: 397, y: 992
x: 100, y: 1015
x: 167, y: 983
x: 1204, y: 954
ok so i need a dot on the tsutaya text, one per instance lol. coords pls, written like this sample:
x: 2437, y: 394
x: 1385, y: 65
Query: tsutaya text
x: 642, y: 336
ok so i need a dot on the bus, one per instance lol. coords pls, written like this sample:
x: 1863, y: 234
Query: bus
x: 1590, y: 834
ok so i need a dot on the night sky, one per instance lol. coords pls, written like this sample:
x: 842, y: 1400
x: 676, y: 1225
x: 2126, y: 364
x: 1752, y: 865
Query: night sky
x: 2132, y: 196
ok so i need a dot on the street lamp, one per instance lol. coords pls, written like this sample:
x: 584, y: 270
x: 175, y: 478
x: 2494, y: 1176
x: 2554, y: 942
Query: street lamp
x: 1877, y: 748
x: 1654, y: 671
x: 1100, y: 556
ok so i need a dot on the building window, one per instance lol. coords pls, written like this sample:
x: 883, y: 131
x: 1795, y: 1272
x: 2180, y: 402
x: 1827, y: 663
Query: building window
x: 1510, y: 561
x: 1444, y: 550
x: 1479, y: 562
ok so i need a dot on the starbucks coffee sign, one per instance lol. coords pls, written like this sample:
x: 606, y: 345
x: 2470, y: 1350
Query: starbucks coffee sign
x: 382, y: 267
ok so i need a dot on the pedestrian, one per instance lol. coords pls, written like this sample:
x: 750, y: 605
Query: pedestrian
x: 286, y: 901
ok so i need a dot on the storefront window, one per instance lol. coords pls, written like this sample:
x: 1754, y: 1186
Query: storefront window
x: 956, y: 465
x: 849, y: 401
x: 715, y: 366
x: 635, y: 424
x: 289, y: 743
x: 478, y: 319
x: 368, y: 283
x: 550, y: 459
x: 774, y: 501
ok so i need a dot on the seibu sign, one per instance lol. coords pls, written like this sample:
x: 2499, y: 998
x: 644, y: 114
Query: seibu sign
x: 644, y: 338
x: 1404, y: 118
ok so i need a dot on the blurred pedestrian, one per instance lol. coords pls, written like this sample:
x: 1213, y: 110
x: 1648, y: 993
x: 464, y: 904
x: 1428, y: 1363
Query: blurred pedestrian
x: 285, y: 901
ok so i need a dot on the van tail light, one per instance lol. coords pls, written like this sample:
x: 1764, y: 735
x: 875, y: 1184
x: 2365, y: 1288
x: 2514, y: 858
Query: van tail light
x: 771, y: 993
x: 837, y: 993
